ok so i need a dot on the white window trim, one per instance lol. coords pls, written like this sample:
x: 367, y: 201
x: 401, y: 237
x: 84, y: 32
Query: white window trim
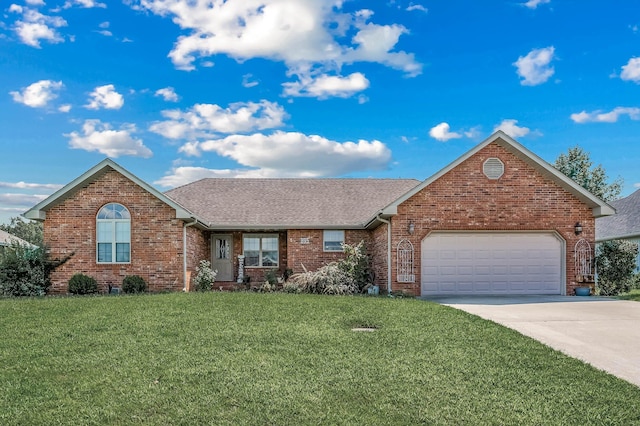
x: 324, y: 240
x: 261, y: 236
x: 113, y: 241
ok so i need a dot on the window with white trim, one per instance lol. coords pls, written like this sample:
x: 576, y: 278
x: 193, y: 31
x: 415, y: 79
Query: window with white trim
x: 332, y: 240
x: 260, y: 250
x: 113, y: 234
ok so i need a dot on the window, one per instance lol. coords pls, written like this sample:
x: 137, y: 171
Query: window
x: 333, y: 240
x: 113, y: 226
x: 260, y: 250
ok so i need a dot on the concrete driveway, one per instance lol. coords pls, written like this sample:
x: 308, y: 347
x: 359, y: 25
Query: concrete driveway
x: 600, y: 331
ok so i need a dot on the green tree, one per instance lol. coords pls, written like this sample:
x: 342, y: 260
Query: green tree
x: 577, y: 165
x: 615, y: 263
x: 30, y: 231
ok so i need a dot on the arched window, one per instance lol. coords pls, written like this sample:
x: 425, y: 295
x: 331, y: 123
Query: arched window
x: 113, y: 226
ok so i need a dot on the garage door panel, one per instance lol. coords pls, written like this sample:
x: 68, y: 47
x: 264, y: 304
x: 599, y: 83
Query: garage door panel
x: 484, y: 263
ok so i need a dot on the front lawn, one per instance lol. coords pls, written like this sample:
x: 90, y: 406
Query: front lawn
x: 632, y: 295
x: 280, y: 359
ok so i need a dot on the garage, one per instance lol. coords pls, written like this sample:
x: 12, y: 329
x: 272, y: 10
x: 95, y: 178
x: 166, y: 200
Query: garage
x: 490, y: 263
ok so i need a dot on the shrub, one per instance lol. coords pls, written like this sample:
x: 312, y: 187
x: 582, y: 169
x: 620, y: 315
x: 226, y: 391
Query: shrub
x: 348, y: 276
x: 25, y: 271
x: 82, y: 284
x: 134, y: 284
x: 206, y: 276
x: 615, y: 263
x: 291, y: 287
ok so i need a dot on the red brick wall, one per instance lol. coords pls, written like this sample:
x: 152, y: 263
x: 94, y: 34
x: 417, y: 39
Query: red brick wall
x: 312, y: 255
x: 198, y: 248
x: 464, y: 199
x: 379, y: 258
x: 156, y: 236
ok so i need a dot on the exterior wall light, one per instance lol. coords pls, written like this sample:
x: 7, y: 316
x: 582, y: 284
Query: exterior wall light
x: 412, y: 228
x: 577, y: 228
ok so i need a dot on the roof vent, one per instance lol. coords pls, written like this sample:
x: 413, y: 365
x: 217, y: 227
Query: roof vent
x: 493, y: 168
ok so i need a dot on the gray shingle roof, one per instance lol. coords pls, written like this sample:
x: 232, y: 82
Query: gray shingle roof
x: 6, y: 239
x: 625, y: 223
x: 289, y: 203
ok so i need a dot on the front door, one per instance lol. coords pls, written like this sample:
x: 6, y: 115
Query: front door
x: 222, y: 257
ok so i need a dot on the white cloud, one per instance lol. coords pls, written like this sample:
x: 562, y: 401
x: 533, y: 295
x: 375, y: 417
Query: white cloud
x: 98, y: 136
x: 442, y: 132
x: 168, y: 94
x: 86, y: 4
x: 532, y: 4
x: 510, y: 127
x: 296, y: 154
x: 324, y: 86
x: 247, y: 82
x: 631, y: 71
x: 292, y: 31
x: 31, y: 186
x: 419, y: 7
x: 34, y: 26
x: 606, y: 117
x: 535, y: 68
x: 21, y: 199
x: 38, y: 94
x: 35, y: 2
x: 105, y: 97
x: 64, y: 108
x: 207, y: 119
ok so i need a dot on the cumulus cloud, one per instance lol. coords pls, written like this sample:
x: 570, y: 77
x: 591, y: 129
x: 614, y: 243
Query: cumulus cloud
x: 64, y: 108
x: 105, y: 97
x: 295, y: 154
x: 86, y: 4
x: 419, y: 7
x: 511, y: 128
x: 168, y: 94
x: 21, y: 199
x: 631, y: 71
x: 532, y: 4
x: 443, y: 133
x: 325, y: 86
x: 34, y: 27
x: 203, y: 120
x: 31, y: 186
x: 606, y: 117
x: 38, y: 94
x: 100, y: 137
x: 296, y: 32
x: 535, y: 68
x: 248, y: 82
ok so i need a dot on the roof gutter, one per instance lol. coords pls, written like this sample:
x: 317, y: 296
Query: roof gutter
x: 184, y: 252
x: 378, y: 217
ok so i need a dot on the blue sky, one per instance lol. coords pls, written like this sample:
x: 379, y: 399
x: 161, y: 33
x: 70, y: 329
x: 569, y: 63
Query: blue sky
x: 178, y: 90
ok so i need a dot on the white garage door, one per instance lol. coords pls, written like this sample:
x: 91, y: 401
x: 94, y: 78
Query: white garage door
x: 491, y: 263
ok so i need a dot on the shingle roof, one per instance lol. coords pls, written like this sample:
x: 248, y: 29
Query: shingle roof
x: 625, y: 223
x: 289, y: 203
x: 6, y: 239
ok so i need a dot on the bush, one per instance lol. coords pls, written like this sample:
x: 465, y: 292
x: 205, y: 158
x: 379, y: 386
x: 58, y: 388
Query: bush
x: 25, y: 271
x: 348, y: 276
x: 615, y: 263
x: 206, y: 276
x: 82, y: 284
x: 134, y: 284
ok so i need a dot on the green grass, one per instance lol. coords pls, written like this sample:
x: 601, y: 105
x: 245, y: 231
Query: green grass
x: 280, y: 359
x: 632, y: 295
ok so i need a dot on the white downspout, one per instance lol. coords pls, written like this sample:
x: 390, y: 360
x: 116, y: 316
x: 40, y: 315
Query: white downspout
x: 388, y: 253
x: 184, y: 253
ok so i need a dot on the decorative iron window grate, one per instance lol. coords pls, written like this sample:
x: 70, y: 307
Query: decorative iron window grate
x: 405, y: 262
x: 583, y: 260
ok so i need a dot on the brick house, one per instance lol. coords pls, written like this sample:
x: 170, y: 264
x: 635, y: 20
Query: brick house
x: 498, y: 220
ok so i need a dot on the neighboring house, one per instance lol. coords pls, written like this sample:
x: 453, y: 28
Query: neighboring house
x: 498, y: 220
x: 624, y: 225
x: 7, y: 240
